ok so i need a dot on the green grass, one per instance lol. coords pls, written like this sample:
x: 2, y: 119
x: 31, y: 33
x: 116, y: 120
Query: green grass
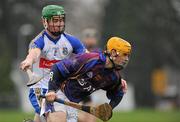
x: 146, y: 115
x: 141, y: 115
x: 13, y: 116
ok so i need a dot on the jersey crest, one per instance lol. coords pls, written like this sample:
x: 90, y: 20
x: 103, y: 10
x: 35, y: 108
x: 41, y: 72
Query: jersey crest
x: 65, y: 50
x: 89, y: 74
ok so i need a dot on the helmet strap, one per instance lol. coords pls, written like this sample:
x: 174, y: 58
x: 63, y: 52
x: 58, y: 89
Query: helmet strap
x: 114, y: 66
x: 45, y: 24
x: 109, y: 56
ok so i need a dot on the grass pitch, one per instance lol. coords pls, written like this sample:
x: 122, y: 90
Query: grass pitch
x: 146, y: 115
x: 140, y: 115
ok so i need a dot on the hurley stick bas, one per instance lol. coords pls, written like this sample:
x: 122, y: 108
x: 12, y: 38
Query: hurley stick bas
x: 33, y: 78
x: 103, y: 111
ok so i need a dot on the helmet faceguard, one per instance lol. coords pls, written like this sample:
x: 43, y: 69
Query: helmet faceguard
x: 125, y: 61
x: 53, y: 16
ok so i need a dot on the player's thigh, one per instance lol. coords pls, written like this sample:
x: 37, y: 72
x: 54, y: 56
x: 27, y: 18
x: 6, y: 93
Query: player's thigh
x: 33, y: 97
x: 71, y: 113
x: 85, y: 117
x: 59, y: 116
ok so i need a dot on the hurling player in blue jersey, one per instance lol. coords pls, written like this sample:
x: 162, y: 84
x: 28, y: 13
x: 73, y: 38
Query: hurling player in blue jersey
x: 80, y: 75
x: 49, y: 47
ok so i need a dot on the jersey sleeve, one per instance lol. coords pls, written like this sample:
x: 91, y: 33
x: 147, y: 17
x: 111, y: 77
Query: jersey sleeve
x: 78, y: 64
x: 115, y: 95
x: 68, y: 67
x: 37, y: 42
x: 77, y: 45
x: 60, y: 72
x: 55, y: 79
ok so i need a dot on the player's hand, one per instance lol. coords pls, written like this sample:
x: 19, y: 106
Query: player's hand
x: 26, y: 64
x: 51, y: 96
x: 124, y: 85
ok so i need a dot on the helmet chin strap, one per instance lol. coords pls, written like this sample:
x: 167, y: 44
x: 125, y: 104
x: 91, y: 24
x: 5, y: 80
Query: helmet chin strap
x: 118, y: 67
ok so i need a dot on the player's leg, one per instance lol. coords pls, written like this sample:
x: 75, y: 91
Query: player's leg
x: 58, y: 116
x: 72, y: 114
x: 57, y: 112
x: 84, y: 116
x: 61, y: 112
x: 33, y: 97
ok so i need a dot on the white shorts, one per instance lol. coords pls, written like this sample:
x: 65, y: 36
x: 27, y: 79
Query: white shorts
x: 71, y: 113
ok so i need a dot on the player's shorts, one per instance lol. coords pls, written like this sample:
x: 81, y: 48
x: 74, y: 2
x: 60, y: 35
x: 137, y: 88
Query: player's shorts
x: 33, y: 97
x: 71, y: 113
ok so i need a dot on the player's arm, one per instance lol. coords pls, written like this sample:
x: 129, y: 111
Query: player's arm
x: 56, y: 78
x: 34, y: 52
x: 115, y: 99
x: 115, y: 95
x: 31, y: 58
x: 61, y: 71
x: 58, y: 74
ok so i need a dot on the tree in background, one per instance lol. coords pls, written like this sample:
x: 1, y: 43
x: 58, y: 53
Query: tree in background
x: 153, y: 29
